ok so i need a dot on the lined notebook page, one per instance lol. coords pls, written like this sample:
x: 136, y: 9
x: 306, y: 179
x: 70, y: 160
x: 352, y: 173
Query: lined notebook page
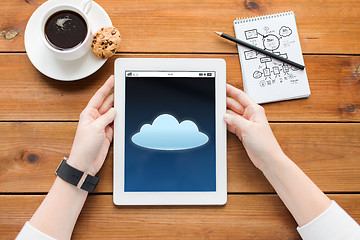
x: 266, y: 79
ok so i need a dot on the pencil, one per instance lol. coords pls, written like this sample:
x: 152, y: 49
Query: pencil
x: 297, y: 65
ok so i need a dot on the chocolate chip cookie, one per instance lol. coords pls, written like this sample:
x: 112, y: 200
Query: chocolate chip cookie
x: 105, y: 42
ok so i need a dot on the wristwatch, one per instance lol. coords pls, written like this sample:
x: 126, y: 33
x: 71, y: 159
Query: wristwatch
x: 76, y: 177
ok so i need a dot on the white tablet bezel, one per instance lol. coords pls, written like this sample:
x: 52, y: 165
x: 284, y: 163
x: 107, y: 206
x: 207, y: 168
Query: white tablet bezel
x: 218, y: 197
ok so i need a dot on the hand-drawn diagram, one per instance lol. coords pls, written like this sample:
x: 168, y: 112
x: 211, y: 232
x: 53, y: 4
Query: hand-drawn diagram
x: 270, y: 71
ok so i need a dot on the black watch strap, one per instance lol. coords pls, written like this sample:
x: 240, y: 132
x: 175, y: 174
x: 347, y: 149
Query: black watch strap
x: 76, y: 177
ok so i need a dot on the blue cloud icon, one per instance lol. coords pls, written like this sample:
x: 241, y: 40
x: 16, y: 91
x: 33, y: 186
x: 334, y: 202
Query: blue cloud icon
x: 166, y: 133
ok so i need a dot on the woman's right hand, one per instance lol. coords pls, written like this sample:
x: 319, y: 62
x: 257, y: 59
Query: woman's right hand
x: 248, y: 121
x: 94, y: 132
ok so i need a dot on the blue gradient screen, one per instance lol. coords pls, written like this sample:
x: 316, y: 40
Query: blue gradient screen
x: 169, y: 132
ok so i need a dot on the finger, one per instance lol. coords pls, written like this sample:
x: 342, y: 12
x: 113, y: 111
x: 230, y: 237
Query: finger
x: 112, y: 127
x: 97, y: 100
x: 107, y: 104
x: 106, y: 118
x: 229, y: 111
x: 255, y: 113
x: 230, y: 128
x: 239, y: 95
x: 234, y: 105
x: 109, y: 132
x: 235, y: 120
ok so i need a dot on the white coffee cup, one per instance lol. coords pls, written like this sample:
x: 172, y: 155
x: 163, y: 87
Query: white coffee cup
x: 84, y: 47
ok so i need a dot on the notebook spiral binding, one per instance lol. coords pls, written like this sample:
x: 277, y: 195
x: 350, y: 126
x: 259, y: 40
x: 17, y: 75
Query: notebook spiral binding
x: 263, y: 17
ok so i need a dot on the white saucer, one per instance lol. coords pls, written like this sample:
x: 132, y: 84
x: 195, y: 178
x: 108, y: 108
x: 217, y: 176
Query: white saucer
x: 46, y: 62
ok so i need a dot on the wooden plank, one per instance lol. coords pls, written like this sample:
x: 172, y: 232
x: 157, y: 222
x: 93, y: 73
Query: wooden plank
x: 187, y: 26
x: 328, y: 153
x: 243, y: 217
x: 26, y: 94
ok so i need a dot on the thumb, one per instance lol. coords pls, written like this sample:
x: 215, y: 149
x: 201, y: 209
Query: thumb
x: 236, y: 121
x: 106, y: 118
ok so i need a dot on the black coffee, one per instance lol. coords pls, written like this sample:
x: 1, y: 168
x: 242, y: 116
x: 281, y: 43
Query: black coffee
x: 65, y: 30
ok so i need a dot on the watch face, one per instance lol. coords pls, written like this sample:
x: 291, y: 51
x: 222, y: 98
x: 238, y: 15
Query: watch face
x: 74, y: 176
x: 61, y: 163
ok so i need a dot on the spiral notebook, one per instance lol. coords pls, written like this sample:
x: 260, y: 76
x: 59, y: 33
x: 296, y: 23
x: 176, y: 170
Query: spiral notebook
x: 266, y: 79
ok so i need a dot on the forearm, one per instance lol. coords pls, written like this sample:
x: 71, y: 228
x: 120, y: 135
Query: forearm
x: 301, y: 196
x: 59, y: 211
x: 57, y: 214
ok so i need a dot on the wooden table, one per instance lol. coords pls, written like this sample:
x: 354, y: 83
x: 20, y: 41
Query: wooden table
x: 38, y: 118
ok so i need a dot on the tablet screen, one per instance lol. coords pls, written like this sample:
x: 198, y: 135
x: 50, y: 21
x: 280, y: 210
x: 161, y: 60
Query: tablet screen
x: 169, y: 131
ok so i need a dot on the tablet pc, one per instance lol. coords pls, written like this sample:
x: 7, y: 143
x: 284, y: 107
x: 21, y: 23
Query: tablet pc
x: 169, y: 132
